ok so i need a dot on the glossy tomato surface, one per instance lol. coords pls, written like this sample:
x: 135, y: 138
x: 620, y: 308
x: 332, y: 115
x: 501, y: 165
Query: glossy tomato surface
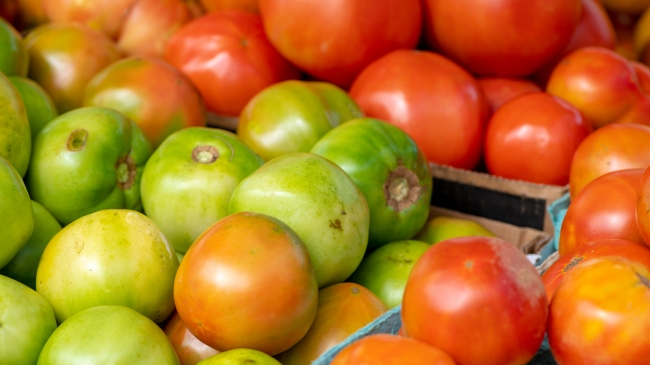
x: 496, y: 37
x: 643, y: 207
x: 499, y: 90
x: 227, y: 56
x: 533, y: 138
x: 335, y: 40
x: 471, y: 296
x: 189, y: 349
x: 605, y: 208
x: 432, y: 99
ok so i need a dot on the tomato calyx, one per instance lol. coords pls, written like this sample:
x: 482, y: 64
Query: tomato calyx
x: 205, y: 154
x: 125, y: 169
x: 402, y: 188
x: 77, y: 140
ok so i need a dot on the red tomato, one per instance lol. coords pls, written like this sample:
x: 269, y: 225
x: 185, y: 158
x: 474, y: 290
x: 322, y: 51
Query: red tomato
x: 247, y: 282
x: 643, y: 206
x: 188, y: 348
x: 391, y: 350
x: 216, y: 5
x: 228, y: 57
x: 630, y: 250
x: 499, y: 90
x: 471, y: 296
x: 435, y: 101
x: 643, y: 75
x: 533, y: 138
x: 335, y: 40
x: 600, y: 314
x: 605, y: 208
x: 610, y: 148
x: 501, y: 37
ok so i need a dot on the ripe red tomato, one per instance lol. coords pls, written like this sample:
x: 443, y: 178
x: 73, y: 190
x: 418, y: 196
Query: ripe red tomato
x: 533, y: 138
x: 610, y: 148
x: 188, y: 348
x: 471, y: 296
x: 247, y: 282
x: 600, y: 314
x: 605, y: 208
x: 630, y: 250
x: 335, y: 40
x: 228, y: 57
x: 391, y: 350
x: 501, y: 37
x: 499, y: 90
x: 435, y: 101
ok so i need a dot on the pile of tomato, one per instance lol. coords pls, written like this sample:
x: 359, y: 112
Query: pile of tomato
x: 135, y: 229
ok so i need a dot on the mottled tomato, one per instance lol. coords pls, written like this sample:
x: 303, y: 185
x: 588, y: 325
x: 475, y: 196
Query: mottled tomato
x: 432, y: 99
x: 499, y: 90
x: 600, y: 314
x: 471, y: 296
x: 630, y: 250
x: 156, y: 96
x: 247, y: 282
x: 228, y: 57
x: 605, y: 208
x: 343, y: 309
x: 335, y: 40
x: 534, y: 127
x: 610, y: 148
x: 495, y: 37
x: 188, y: 348
x: 391, y: 350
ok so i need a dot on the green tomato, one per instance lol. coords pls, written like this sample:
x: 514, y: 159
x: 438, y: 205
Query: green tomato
x: 108, y: 334
x: 391, y: 171
x: 38, y: 103
x: 441, y: 228
x: 24, y: 264
x: 319, y: 202
x: 385, y: 271
x: 15, y: 134
x: 17, y: 222
x: 26, y: 322
x: 291, y: 116
x: 87, y: 160
x: 14, y: 59
x: 111, y: 257
x: 188, y: 181
x: 240, y: 357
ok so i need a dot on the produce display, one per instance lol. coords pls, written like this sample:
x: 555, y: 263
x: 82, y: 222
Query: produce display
x: 136, y: 227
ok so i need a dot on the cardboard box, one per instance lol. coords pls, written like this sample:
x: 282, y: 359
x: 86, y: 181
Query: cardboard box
x: 517, y: 202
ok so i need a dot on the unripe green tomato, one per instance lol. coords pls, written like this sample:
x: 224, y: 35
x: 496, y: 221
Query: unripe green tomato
x: 14, y: 59
x: 15, y: 135
x: 240, y: 357
x: 17, y: 223
x: 441, y: 228
x: 38, y: 103
x: 87, y: 160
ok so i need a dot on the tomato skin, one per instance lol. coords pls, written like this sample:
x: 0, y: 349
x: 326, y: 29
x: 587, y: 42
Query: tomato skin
x: 429, y: 97
x: 105, y: 16
x: 503, y: 298
x: 643, y: 207
x: 216, y: 5
x: 188, y: 348
x: 600, y: 314
x: 494, y: 37
x: 592, y: 217
x: 335, y: 40
x: 391, y: 350
x: 631, y: 250
x: 499, y: 90
x: 247, y: 282
x: 228, y: 57
x: 534, y: 127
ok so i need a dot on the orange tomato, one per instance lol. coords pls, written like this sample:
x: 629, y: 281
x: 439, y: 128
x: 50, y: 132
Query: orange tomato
x: 188, y: 348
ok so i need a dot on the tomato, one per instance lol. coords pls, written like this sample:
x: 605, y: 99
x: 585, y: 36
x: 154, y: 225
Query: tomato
x: 495, y: 37
x: 430, y: 98
x: 291, y: 116
x: 605, y: 208
x: 643, y: 75
x: 105, y: 16
x: 156, y: 96
x: 598, y: 82
x: 188, y: 348
x: 643, y: 207
x: 247, y: 282
x: 630, y: 250
x: 14, y: 59
x: 228, y: 57
x: 343, y: 309
x: 534, y: 127
x: 499, y: 90
x: 600, y: 313
x: 318, y: 200
x: 334, y: 41
x: 108, y: 333
x: 17, y: 222
x: 216, y: 5
x: 396, y: 182
x: 470, y: 296
x: 32, y: 13
x: 610, y: 148
x: 390, y: 350
x: 240, y: 356
x: 15, y: 132
x: 439, y: 228
x: 38, y: 104
x: 64, y: 57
